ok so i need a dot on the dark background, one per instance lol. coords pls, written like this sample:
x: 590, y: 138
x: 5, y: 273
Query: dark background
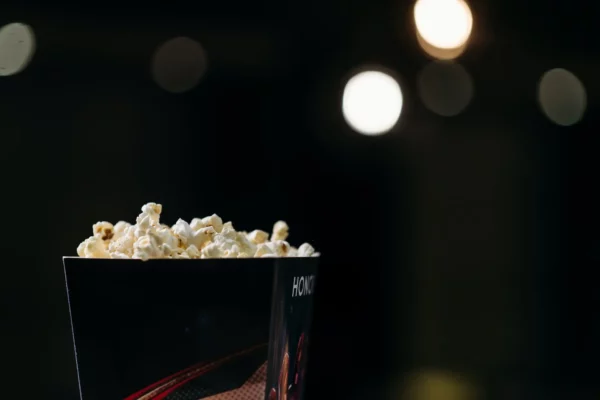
x: 466, y: 245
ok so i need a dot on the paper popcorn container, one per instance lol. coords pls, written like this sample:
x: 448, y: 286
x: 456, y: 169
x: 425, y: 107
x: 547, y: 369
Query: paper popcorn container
x: 217, y: 329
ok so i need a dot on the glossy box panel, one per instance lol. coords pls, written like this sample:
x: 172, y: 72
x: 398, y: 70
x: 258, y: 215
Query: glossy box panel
x: 191, y: 329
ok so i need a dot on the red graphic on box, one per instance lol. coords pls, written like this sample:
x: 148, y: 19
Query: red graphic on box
x: 252, y: 389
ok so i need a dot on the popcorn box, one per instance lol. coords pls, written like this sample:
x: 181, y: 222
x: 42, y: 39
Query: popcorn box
x: 215, y: 329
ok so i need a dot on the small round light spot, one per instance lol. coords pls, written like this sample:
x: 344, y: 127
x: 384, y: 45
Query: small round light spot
x: 179, y: 64
x: 445, y: 88
x: 562, y: 97
x: 372, y: 102
x: 17, y: 46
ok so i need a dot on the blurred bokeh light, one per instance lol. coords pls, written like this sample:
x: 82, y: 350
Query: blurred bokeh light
x: 436, y: 385
x: 445, y: 88
x: 562, y: 97
x: 179, y: 64
x: 443, y: 27
x: 17, y: 46
x: 372, y: 102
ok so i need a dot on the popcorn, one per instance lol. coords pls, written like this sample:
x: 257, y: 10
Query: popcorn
x: 279, y: 248
x: 146, y: 247
x: 246, y: 246
x: 167, y: 251
x: 227, y: 243
x: 202, y: 237
x: 143, y: 226
x: 258, y: 236
x: 280, y: 231
x: 208, y: 237
x: 197, y: 224
x: 183, y: 231
x: 123, y: 245
x: 232, y: 252
x: 93, y: 247
x: 103, y: 230
x: 148, y: 219
x: 152, y: 209
x: 215, y: 221
x: 166, y: 236
x: 292, y: 252
x: 227, y: 229
x: 264, y: 249
x: 181, y: 256
x: 306, y: 250
x: 193, y: 252
x: 121, y: 227
x: 119, y: 255
x: 213, y: 250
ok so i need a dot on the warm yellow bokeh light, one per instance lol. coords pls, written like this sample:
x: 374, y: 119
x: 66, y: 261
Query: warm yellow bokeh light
x: 440, y: 54
x: 443, y: 24
x: 438, y: 385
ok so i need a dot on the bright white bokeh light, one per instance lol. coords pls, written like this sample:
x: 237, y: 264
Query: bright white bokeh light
x: 562, y: 97
x: 372, y: 102
x: 443, y: 24
x: 17, y: 45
